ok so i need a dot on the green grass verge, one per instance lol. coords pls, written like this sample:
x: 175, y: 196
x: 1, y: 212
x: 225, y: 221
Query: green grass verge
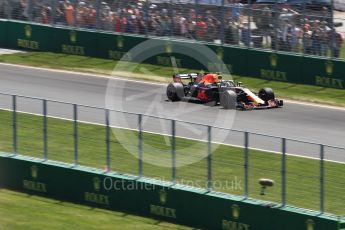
x: 284, y: 90
x: 228, y: 172
x: 20, y: 211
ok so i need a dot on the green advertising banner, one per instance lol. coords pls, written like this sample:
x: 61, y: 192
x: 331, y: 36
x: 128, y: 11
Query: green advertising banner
x: 274, y: 66
x: 29, y: 36
x: 234, y: 58
x: 112, y: 46
x: 180, y: 54
x: 148, y: 197
x: 3, y: 33
x: 292, y: 218
x: 75, y: 42
x: 323, y: 72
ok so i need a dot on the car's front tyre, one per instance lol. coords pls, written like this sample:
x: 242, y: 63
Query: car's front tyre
x: 266, y: 94
x: 228, y: 99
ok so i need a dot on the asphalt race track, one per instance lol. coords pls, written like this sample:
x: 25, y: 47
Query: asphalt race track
x: 295, y: 121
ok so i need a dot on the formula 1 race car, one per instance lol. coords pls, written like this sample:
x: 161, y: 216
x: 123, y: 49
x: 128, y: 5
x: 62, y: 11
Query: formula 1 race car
x: 227, y: 93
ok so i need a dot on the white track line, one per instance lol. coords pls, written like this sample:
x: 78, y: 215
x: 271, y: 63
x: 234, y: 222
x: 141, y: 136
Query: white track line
x: 83, y: 74
x: 154, y: 83
x: 314, y: 105
x: 188, y: 138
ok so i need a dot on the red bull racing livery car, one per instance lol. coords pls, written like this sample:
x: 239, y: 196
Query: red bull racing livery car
x: 211, y: 89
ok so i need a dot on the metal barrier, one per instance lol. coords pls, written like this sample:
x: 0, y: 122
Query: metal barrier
x: 306, y: 174
x: 295, y: 28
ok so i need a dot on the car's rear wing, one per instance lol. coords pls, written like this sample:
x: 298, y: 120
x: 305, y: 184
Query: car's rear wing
x: 179, y: 77
x: 185, y: 75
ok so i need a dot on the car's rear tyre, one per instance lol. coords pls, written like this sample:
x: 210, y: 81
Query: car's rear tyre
x: 266, y: 94
x: 228, y: 99
x: 175, y: 91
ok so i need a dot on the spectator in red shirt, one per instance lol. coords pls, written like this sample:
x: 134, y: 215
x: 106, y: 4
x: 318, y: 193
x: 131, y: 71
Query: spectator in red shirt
x: 118, y: 23
x: 201, y: 28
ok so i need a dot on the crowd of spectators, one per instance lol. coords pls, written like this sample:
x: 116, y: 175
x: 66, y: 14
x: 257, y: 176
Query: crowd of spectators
x: 290, y: 31
x: 286, y: 31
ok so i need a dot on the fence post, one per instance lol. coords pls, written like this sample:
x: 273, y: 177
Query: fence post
x: 222, y: 27
x: 45, y: 129
x: 75, y: 133
x: 171, y: 15
x: 209, y: 159
x: 30, y: 10
x: 276, y: 26
x: 250, y: 14
x: 146, y: 15
x: 173, y: 150
x: 107, y: 139
x: 53, y: 11
x: 14, y: 123
x: 140, y: 144
x: 98, y: 15
x: 333, y: 41
x: 322, y: 179
x: 283, y: 172
x: 246, y: 164
x: 8, y: 11
x: 196, y: 2
x: 304, y: 32
x: 75, y: 11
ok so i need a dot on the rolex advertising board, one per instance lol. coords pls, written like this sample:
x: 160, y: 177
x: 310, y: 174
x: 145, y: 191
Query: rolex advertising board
x: 27, y: 176
x: 175, y: 54
x: 301, y: 220
x: 75, y: 42
x: 324, y: 72
x: 274, y: 66
x: 29, y: 36
x: 116, y: 46
x: 145, y: 197
x: 233, y: 58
